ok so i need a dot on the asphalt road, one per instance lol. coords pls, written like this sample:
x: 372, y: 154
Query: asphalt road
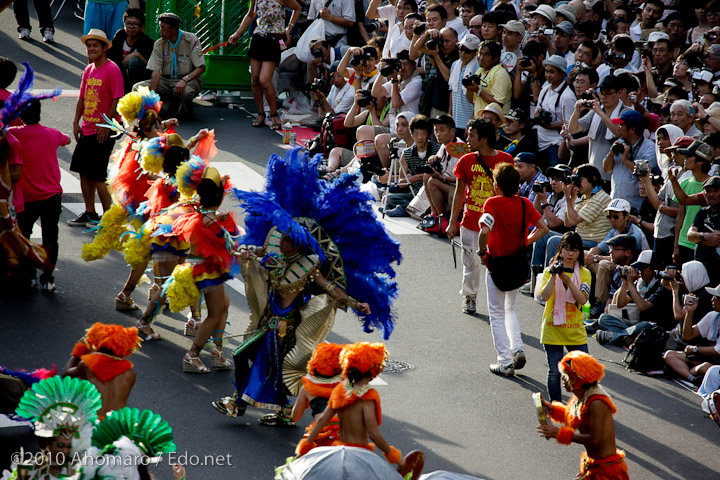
x: 464, y: 418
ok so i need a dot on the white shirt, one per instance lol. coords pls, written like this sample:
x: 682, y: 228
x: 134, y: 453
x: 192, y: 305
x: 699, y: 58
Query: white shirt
x: 341, y: 100
x: 547, y: 101
x: 456, y: 25
x: 410, y: 95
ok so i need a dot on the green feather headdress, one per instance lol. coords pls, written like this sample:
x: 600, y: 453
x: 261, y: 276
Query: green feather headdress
x: 145, y: 428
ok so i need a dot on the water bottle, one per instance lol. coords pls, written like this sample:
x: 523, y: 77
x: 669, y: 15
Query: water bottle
x: 586, y: 312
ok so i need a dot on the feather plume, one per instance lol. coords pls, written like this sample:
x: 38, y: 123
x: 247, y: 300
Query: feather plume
x: 22, y: 96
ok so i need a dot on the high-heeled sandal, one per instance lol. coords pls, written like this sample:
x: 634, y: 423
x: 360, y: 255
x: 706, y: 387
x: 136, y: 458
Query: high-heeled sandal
x: 218, y: 359
x: 151, y: 291
x: 193, y: 323
x: 259, y: 121
x: 193, y: 364
x: 144, y: 335
x: 125, y: 302
x: 276, y: 125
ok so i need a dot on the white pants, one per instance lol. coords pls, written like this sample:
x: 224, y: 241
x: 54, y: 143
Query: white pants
x: 471, y: 262
x: 504, y: 322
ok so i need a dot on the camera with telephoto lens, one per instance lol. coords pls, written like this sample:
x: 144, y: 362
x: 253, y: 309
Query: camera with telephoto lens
x: 539, y: 186
x: 419, y: 28
x: 710, y: 36
x: 641, y: 168
x: 390, y: 67
x: 470, y: 79
x: 320, y: 84
x: 432, y: 44
x: 366, y: 99
x: 542, y: 118
x: 624, y: 271
x: 373, y: 26
x: 618, y: 148
x: 526, y: 62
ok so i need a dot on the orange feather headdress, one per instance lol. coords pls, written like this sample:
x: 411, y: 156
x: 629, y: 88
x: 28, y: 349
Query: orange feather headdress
x: 325, y: 360
x: 583, y: 365
x: 121, y: 341
x: 365, y: 357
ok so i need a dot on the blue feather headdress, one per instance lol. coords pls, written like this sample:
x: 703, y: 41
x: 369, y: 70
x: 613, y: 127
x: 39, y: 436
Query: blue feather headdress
x: 344, y: 212
x: 21, y: 98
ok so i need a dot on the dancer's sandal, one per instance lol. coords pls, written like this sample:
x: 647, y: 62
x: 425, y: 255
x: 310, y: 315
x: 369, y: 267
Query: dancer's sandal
x: 193, y: 364
x: 125, y: 302
x: 218, y: 359
x: 276, y: 125
x: 229, y: 406
x: 193, y: 323
x: 151, y: 291
x: 259, y: 121
x: 145, y: 331
x: 276, y: 420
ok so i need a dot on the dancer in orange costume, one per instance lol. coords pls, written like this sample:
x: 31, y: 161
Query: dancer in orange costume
x: 324, y: 374
x: 356, y: 404
x: 587, y: 419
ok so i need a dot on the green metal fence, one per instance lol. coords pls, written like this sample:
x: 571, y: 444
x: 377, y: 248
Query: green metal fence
x: 213, y: 21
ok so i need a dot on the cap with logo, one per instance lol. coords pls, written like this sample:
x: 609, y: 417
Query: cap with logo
x: 655, y: 36
x: 697, y: 149
x: 470, y: 41
x: 443, y: 119
x: 618, y: 205
x: 517, y: 114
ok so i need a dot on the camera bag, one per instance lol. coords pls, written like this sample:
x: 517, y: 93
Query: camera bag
x: 645, y: 354
x: 510, y: 272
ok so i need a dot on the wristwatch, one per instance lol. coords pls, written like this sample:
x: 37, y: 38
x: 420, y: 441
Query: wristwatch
x: 187, y: 78
x: 596, y: 259
x: 707, y: 117
x: 544, y: 206
x: 695, y: 349
x: 702, y: 236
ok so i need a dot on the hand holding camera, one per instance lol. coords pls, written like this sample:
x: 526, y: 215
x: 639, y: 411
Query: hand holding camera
x: 432, y: 43
x: 641, y: 168
x: 541, y: 187
x: 556, y: 268
x: 620, y: 148
x: 690, y: 302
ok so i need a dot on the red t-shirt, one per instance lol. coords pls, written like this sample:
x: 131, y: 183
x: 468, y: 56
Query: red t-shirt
x: 503, y: 215
x: 16, y: 158
x: 478, y: 185
x: 98, y: 89
x: 40, y: 178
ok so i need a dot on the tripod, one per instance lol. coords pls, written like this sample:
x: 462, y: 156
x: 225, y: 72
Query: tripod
x: 396, y: 168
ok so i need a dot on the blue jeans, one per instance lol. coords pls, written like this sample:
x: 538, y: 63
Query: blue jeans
x: 539, y: 256
x: 554, y: 354
x: 552, y: 247
x: 108, y: 17
x: 621, y: 327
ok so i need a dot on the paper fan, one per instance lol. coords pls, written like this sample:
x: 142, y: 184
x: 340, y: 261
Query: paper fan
x: 145, y: 428
x: 457, y: 149
x: 60, y: 405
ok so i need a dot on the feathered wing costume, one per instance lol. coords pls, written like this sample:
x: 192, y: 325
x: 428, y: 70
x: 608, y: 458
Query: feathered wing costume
x: 16, y: 250
x: 337, y: 228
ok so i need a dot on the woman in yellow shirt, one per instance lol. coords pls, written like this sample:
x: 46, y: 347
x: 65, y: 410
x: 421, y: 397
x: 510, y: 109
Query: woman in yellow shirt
x: 568, y: 280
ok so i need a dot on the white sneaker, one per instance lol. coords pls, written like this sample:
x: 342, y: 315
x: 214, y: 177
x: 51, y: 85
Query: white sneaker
x: 48, y: 36
x: 469, y: 305
x: 502, y: 370
x: 24, y: 34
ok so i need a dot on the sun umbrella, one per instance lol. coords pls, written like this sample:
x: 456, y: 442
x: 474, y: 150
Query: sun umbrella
x: 340, y: 463
x: 443, y: 475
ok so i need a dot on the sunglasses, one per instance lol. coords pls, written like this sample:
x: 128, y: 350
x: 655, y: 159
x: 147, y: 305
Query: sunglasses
x: 614, y: 217
x: 463, y: 49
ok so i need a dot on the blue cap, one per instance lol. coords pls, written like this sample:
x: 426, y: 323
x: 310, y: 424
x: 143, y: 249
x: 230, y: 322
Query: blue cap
x: 526, y: 157
x: 629, y: 116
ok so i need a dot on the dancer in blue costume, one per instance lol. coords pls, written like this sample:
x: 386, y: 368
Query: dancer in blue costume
x: 309, y: 245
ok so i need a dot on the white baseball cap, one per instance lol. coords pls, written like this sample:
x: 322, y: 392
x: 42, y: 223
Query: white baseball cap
x: 618, y: 205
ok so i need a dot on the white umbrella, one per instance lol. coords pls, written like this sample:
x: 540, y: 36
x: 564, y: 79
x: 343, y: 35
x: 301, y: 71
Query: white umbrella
x: 443, y: 475
x: 340, y: 463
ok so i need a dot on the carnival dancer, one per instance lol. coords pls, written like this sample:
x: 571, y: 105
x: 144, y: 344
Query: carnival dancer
x: 124, y: 443
x: 304, y: 233
x: 102, y: 361
x: 356, y: 404
x: 587, y: 419
x: 324, y: 374
x: 64, y: 411
x: 211, y: 236
x: 16, y: 251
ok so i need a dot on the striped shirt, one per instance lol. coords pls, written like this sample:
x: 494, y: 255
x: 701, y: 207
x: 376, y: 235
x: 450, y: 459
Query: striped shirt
x: 594, y: 225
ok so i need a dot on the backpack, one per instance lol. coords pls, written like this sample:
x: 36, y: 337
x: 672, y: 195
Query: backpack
x: 434, y: 225
x: 646, y: 351
x: 333, y: 133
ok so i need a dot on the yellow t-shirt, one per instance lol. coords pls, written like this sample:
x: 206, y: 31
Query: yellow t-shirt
x: 573, y: 332
x: 496, y: 82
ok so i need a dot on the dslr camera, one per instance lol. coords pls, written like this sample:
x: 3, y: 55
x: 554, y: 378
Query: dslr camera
x: 366, y: 99
x: 391, y: 66
x: 419, y: 29
x: 587, y: 99
x: 526, y: 62
x: 624, y: 270
x: 539, y: 186
x: 470, y: 79
x: 432, y: 44
x: 618, y: 148
x: 317, y: 52
x: 357, y: 60
x: 559, y: 268
x: 575, y: 179
x: 641, y: 168
x: 543, y: 118
x: 320, y: 84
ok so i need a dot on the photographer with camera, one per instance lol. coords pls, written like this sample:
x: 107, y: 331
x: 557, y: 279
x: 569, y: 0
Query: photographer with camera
x: 440, y: 184
x: 598, y: 123
x: 642, y: 290
x: 400, y: 81
x: 436, y: 18
x: 530, y: 175
x: 629, y: 158
x: 440, y: 47
x: 323, y: 56
x: 460, y: 108
x: 574, y: 148
x: 565, y: 288
x: 517, y: 131
x: 363, y: 62
x: 705, y: 230
x: 618, y: 56
x: 554, y: 105
x: 338, y: 99
x: 610, y: 271
x: 492, y: 83
x: 524, y: 87
x: 394, y: 14
x: 693, y: 361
